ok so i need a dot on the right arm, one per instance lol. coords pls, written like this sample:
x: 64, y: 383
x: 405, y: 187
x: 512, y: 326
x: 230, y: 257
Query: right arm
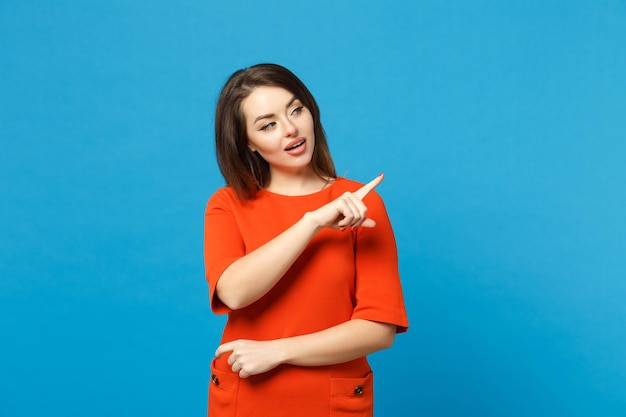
x: 253, y: 275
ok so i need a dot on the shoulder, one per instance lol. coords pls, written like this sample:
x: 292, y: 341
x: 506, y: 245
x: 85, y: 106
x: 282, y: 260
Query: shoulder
x: 224, y: 197
x: 342, y: 185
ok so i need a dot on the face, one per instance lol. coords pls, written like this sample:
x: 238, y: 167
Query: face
x: 279, y: 128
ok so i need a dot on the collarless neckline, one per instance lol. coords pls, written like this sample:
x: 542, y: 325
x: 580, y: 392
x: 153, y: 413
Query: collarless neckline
x: 327, y: 187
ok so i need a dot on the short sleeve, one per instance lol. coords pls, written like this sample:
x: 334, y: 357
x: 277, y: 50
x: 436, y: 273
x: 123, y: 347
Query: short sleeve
x: 223, y: 243
x: 378, y: 289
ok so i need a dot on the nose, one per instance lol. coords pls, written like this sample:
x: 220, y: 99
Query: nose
x: 290, y: 128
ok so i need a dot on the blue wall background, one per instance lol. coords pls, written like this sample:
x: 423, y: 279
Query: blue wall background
x: 500, y: 127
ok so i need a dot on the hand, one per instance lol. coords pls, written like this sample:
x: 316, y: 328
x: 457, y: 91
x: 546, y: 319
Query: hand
x: 348, y: 210
x: 250, y: 357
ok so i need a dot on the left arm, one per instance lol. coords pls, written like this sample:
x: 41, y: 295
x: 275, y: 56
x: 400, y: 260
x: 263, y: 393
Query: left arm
x: 341, y: 343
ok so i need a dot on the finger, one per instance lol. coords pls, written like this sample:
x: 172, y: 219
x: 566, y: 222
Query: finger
x: 360, y: 209
x: 348, y: 210
x: 368, y: 223
x: 226, y: 347
x: 359, y: 212
x: 243, y: 372
x: 363, y: 191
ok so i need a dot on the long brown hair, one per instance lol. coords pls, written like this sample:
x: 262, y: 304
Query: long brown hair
x: 245, y: 171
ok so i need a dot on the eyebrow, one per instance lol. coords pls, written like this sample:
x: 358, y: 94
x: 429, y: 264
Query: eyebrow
x: 267, y: 116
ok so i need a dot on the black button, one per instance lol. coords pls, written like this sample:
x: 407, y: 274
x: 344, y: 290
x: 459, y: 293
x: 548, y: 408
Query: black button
x: 358, y: 390
x: 215, y: 380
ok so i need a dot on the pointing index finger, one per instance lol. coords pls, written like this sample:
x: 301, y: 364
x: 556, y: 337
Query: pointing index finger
x: 363, y: 191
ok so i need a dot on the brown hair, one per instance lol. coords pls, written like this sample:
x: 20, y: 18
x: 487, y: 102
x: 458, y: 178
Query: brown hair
x: 246, y: 171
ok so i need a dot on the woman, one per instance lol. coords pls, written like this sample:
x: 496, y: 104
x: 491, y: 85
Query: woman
x: 304, y: 262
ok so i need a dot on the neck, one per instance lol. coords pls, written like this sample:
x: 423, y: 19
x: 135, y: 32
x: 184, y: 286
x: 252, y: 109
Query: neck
x: 293, y: 184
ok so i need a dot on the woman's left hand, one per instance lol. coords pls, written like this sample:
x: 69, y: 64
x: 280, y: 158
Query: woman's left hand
x: 250, y: 357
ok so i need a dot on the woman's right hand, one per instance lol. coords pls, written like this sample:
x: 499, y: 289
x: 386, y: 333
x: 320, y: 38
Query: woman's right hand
x: 253, y: 275
x: 346, y: 211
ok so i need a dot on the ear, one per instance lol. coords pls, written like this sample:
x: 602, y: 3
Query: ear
x: 251, y: 147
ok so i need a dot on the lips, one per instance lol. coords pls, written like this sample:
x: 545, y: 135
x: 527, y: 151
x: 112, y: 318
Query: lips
x: 294, y: 144
x: 296, y: 147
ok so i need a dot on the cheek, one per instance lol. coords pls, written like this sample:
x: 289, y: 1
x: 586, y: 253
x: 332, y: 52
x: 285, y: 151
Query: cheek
x: 311, y: 126
x: 263, y: 149
x: 254, y: 144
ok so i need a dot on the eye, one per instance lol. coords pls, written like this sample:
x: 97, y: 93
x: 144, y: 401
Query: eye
x: 297, y: 110
x: 268, y: 126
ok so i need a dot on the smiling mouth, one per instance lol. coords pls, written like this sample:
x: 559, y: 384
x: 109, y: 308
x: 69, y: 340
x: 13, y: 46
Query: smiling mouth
x: 297, y: 145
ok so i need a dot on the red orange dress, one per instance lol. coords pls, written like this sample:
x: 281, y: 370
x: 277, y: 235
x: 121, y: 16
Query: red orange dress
x: 341, y: 275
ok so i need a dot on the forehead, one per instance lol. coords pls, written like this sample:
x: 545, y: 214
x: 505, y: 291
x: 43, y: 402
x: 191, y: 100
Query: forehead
x: 266, y: 100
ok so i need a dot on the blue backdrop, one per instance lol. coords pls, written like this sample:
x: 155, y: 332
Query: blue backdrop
x: 500, y: 127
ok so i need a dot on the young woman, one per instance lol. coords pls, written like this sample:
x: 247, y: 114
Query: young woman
x: 303, y: 262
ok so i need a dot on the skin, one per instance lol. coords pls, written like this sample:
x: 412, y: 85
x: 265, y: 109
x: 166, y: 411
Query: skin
x: 275, y: 121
